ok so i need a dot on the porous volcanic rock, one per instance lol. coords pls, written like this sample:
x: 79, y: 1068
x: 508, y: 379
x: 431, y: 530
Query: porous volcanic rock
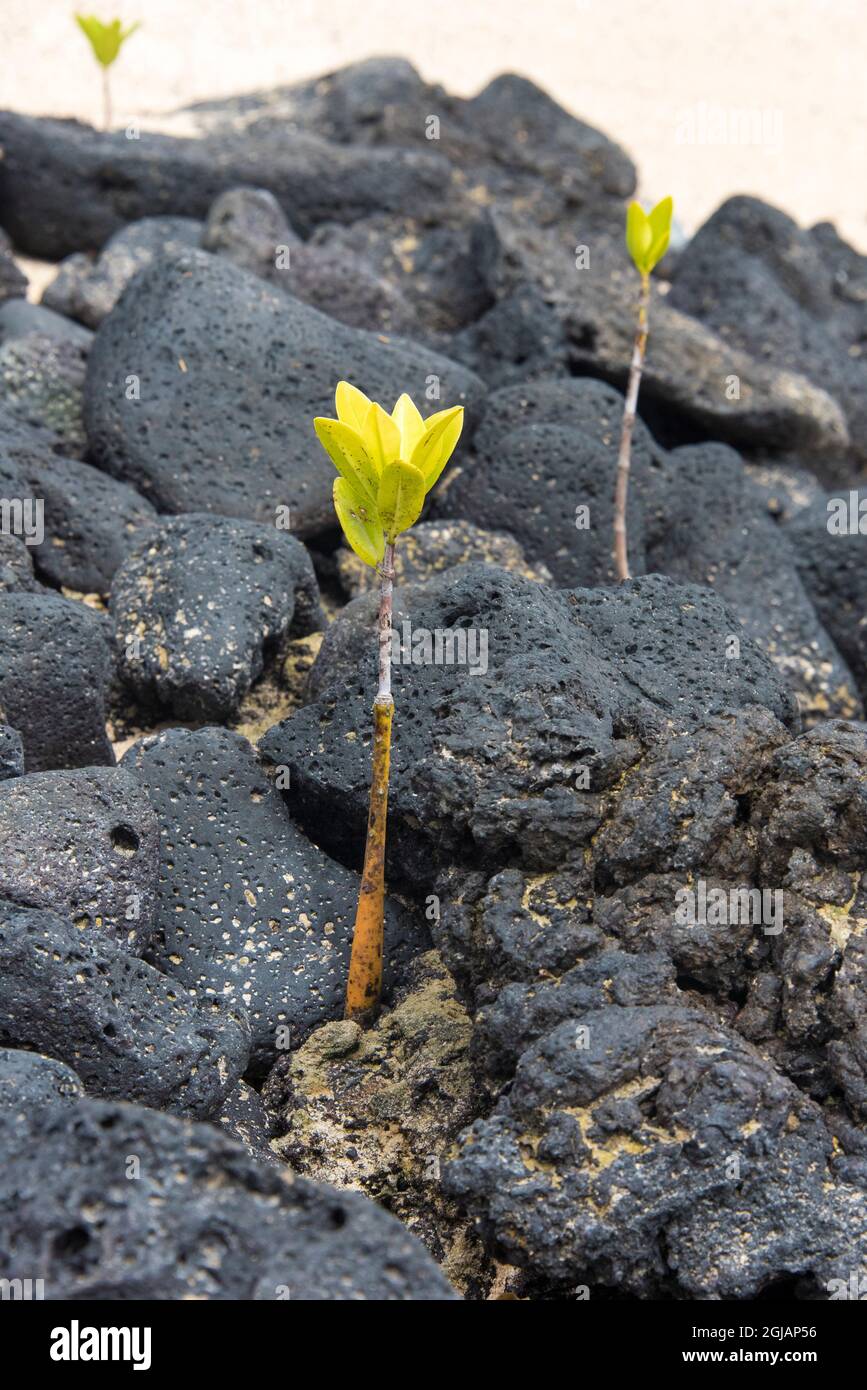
x: 200, y: 602
x: 377, y: 1109
x: 29, y: 1079
x: 84, y: 844
x: 202, y: 1219
x: 648, y: 1148
x: 509, y: 763
x: 231, y: 374
x: 65, y: 187
x: 55, y: 665
x: 88, y: 518
x: 833, y: 568
x: 755, y: 278
x: 130, y: 1032
x: 87, y: 289
x: 249, y: 908
x: 433, y: 546
x: 42, y: 382
x: 11, y: 753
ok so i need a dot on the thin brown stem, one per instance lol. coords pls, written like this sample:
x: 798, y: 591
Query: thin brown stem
x: 621, y: 556
x: 364, y: 985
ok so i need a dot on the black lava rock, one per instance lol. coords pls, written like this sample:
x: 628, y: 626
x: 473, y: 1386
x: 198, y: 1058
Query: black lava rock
x: 84, y: 844
x: 250, y: 910
x: 54, y: 672
x: 754, y: 277
x: 199, y: 604
x: 647, y: 1148
x: 88, y: 518
x: 193, y: 1217
x: 88, y: 290
x: 42, y: 383
x: 11, y: 753
x: 507, y: 763
x: 65, y: 187
x: 29, y: 1080
x: 130, y: 1032
x: 231, y: 375
x: 831, y: 556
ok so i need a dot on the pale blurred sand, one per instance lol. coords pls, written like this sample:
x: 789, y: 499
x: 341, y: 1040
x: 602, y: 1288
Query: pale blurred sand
x: 641, y: 70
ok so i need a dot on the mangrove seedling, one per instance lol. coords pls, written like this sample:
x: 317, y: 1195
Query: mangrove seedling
x: 387, y: 466
x: 647, y: 237
x: 106, y: 41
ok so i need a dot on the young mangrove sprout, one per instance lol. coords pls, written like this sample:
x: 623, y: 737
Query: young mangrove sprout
x: 647, y: 237
x: 387, y: 465
x: 106, y: 40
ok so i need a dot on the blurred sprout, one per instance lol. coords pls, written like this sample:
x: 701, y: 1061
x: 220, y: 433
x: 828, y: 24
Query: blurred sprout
x: 648, y: 234
x: 647, y: 238
x: 106, y: 41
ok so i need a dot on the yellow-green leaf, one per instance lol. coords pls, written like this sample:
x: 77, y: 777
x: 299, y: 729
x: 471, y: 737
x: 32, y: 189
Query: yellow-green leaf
x: 381, y: 436
x: 660, y: 227
x: 106, y: 40
x: 352, y: 405
x: 359, y: 522
x: 407, y: 416
x: 639, y: 235
x: 401, y: 497
x: 435, y: 448
x: 348, y: 452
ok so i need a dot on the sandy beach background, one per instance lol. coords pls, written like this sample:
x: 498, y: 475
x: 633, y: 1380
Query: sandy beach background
x: 710, y: 97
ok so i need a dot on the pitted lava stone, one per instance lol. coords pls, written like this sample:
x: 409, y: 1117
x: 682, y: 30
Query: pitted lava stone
x: 646, y: 1148
x: 833, y: 569
x: 42, y: 382
x: 754, y: 277
x: 16, y: 567
x: 89, y: 519
x: 232, y: 373
x: 29, y: 1079
x: 199, y: 602
x: 130, y: 1032
x: 55, y: 668
x: 202, y: 1219
x: 249, y: 908
x: 11, y: 753
x: 66, y: 187
x: 84, y: 844
x: 488, y: 767
x: 87, y: 290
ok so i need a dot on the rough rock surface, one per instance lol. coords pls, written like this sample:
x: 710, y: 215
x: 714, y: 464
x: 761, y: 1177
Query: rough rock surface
x: 84, y: 844
x: 833, y: 568
x: 376, y: 1111
x: 66, y: 187
x: 433, y: 546
x: 249, y: 908
x: 88, y: 518
x: 42, y: 382
x: 11, y: 753
x: 87, y: 290
x: 643, y: 1146
x: 231, y: 375
x: 196, y: 1218
x: 199, y: 604
x: 29, y: 1079
x: 754, y: 277
x: 130, y: 1032
x: 54, y: 673
x: 488, y: 766
x: 547, y: 453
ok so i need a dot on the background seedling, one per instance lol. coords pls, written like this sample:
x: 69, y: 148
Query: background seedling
x: 106, y: 41
x: 647, y: 237
x: 387, y: 465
